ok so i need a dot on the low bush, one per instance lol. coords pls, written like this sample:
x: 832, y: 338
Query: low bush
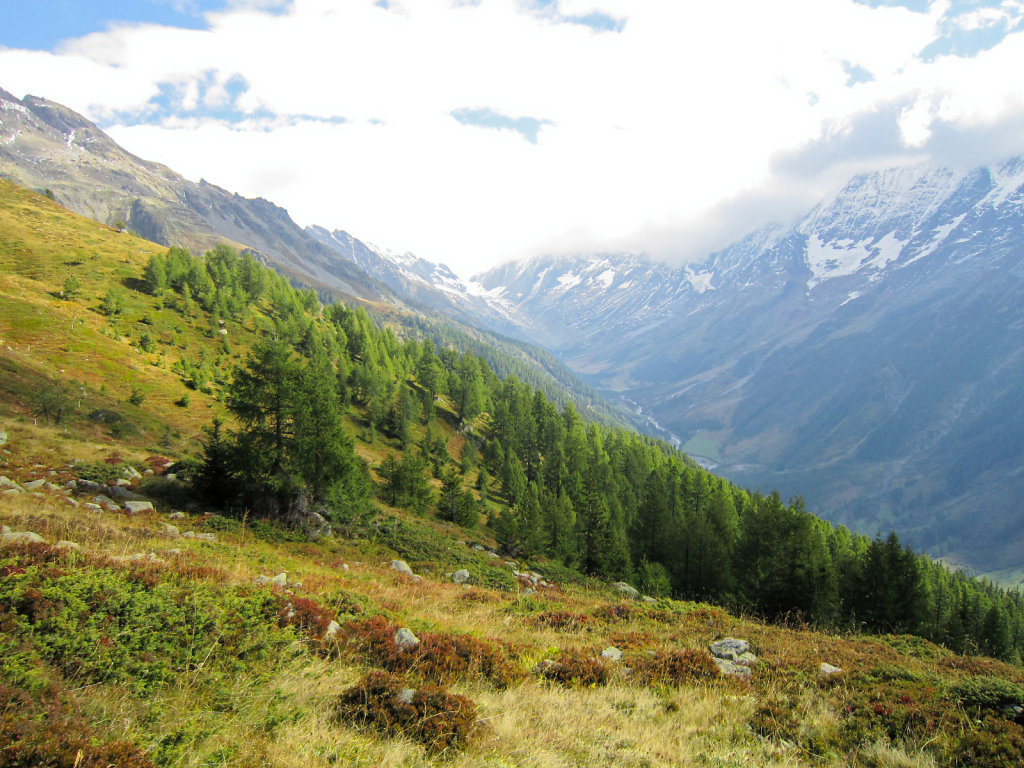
x: 439, y: 720
x: 575, y: 670
x: 995, y: 744
x: 563, y: 620
x: 439, y: 656
x: 986, y: 694
x: 674, y: 667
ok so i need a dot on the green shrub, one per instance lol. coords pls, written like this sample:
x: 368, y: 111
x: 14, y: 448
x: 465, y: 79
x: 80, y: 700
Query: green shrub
x: 985, y: 693
x: 575, y: 670
x: 674, y: 667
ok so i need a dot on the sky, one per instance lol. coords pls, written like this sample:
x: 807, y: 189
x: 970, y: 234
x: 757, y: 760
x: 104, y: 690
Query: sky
x: 474, y: 132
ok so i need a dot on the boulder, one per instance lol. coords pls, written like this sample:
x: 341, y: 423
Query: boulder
x: 206, y: 536
x: 733, y: 656
x: 611, y: 653
x: 171, y: 530
x: 260, y: 580
x: 405, y: 639
x: 6, y: 484
x: 732, y: 669
x: 402, y: 567
x: 121, y: 493
x: 460, y: 577
x: 301, y: 515
x: 135, y: 507
x: 281, y: 580
x: 405, y: 696
x: 34, y: 485
x: 176, y: 516
x: 332, y: 629
x: 626, y: 590
x: 67, y: 545
x: 827, y: 670
x: 25, y: 536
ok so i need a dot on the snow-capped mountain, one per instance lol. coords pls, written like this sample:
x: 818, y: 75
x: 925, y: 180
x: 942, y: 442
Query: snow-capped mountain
x: 870, y: 357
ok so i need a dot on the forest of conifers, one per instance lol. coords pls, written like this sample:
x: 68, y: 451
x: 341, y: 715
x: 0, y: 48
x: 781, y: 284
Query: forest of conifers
x: 549, y: 483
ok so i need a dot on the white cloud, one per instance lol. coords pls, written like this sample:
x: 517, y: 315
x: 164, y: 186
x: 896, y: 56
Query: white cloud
x: 669, y: 131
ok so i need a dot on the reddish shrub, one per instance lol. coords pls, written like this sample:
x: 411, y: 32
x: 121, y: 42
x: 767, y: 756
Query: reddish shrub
x: 438, y: 656
x: 620, y: 612
x: 305, y: 614
x: 439, y: 720
x: 675, y: 667
x: 575, y: 670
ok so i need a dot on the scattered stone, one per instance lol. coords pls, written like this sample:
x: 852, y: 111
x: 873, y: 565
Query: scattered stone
x: 281, y: 580
x: 122, y: 483
x: 495, y: 555
x: 122, y: 493
x: 68, y: 545
x: 3, y: 438
x: 648, y: 600
x: 6, y: 484
x: 71, y: 485
x: 477, y: 547
x: 90, y: 505
x: 26, y: 536
x: 206, y: 536
x: 34, y: 485
x: 460, y: 577
x: 611, y: 653
x: 71, y: 501
x: 174, y: 551
x: 405, y: 696
x: 188, y: 535
x: 4, y: 530
x: 827, y: 670
x: 131, y: 473
x: 135, y: 507
x: 528, y: 591
x: 344, y: 566
x: 104, y: 501
x: 625, y: 590
x: 171, y: 530
x: 51, y: 487
x: 260, y: 580
x: 12, y: 492
x: 405, y: 639
x: 402, y: 567
x: 332, y: 629
x: 176, y: 516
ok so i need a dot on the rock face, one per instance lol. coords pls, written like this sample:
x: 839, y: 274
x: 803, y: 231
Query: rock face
x: 302, y: 516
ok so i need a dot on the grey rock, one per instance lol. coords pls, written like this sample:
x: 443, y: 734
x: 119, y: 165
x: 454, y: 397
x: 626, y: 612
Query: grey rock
x: 401, y: 566
x: 176, y: 516
x: 51, y: 487
x: 122, y: 493
x: 68, y: 545
x: 90, y: 505
x: 34, y: 485
x: 648, y: 600
x: 12, y: 492
x: 122, y: 483
x: 4, y: 530
x: 260, y: 580
x: 827, y: 670
x: 281, y: 580
x: 477, y: 547
x: 332, y: 629
x: 26, y: 536
x: 171, y: 530
x: 3, y: 438
x: 405, y: 695
x: 611, y: 653
x: 188, y: 535
x: 730, y: 649
x: 6, y: 484
x: 206, y: 536
x: 131, y: 473
x: 405, y: 639
x: 104, y: 501
x: 460, y: 577
x: 528, y: 591
x: 732, y: 669
x: 135, y: 507
x: 301, y: 515
x: 626, y: 590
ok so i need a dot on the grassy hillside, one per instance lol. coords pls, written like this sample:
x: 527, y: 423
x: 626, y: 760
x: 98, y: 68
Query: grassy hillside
x: 149, y: 637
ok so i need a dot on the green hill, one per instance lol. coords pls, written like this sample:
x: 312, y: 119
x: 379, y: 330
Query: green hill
x: 209, y: 629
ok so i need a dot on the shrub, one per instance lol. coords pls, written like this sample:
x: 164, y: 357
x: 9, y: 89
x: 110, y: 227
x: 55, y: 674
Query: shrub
x: 306, y: 615
x: 575, y: 670
x: 439, y: 720
x: 675, y: 667
x: 996, y: 744
x: 439, y: 656
x: 984, y: 693
x: 776, y: 720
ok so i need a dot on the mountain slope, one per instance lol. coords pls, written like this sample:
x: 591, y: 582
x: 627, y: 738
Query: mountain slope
x: 44, y: 145
x: 869, y: 357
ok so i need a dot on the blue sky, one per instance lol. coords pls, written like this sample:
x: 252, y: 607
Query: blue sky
x: 476, y: 131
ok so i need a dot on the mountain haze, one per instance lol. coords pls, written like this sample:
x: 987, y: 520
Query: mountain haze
x: 869, y: 357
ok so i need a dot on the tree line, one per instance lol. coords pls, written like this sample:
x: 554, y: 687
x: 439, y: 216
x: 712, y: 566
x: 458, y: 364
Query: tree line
x: 604, y: 500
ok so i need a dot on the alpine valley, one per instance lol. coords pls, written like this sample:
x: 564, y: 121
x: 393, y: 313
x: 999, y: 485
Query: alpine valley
x: 869, y: 357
